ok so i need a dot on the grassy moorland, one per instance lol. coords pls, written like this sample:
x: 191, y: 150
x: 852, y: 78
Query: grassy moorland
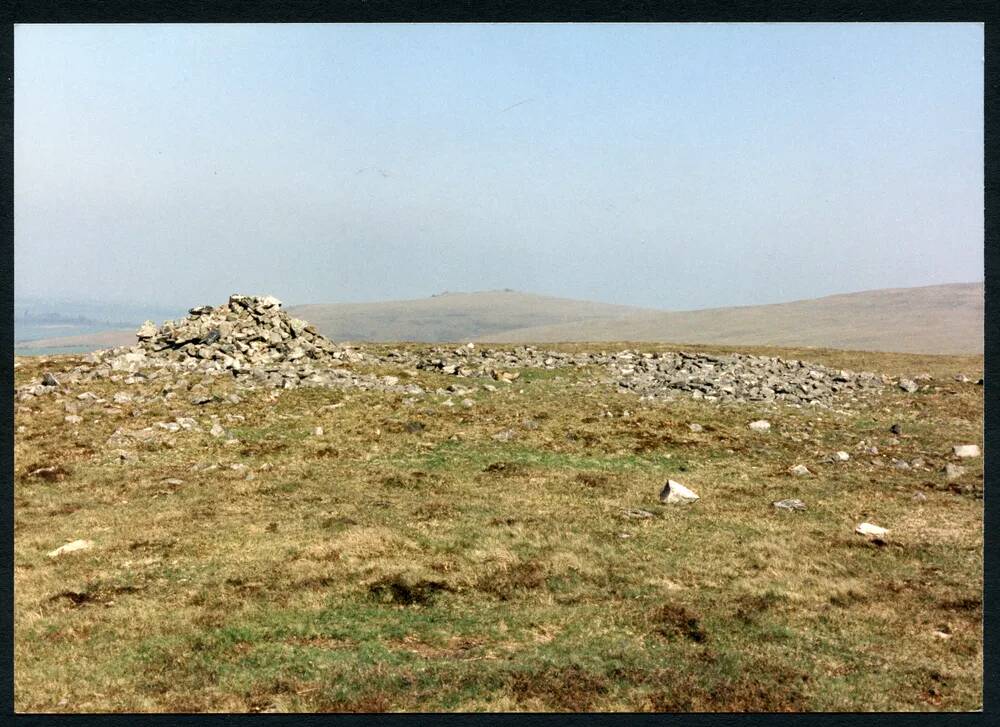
x: 410, y: 559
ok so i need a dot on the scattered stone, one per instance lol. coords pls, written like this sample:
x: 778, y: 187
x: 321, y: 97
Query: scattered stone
x: 70, y: 548
x: 696, y: 428
x: 674, y: 493
x: 900, y: 464
x: 961, y: 378
x: 789, y: 504
x: 896, y: 429
x: 122, y: 398
x: 318, y: 432
x: 841, y: 456
x: 504, y: 436
x: 799, y: 470
x: 216, y: 430
x: 908, y: 385
x: 72, y: 419
x: 173, y: 481
x: 870, y: 530
x: 919, y: 497
x: 49, y: 380
x: 965, y: 450
x: 761, y: 425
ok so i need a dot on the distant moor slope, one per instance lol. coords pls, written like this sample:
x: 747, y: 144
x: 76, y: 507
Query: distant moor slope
x: 946, y: 319
x: 451, y: 316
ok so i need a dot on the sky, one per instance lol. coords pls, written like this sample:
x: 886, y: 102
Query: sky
x: 674, y: 166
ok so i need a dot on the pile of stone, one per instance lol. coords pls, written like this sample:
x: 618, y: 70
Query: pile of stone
x: 249, y: 337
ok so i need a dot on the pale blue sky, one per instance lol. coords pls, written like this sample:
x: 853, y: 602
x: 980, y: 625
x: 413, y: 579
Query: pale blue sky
x: 671, y: 166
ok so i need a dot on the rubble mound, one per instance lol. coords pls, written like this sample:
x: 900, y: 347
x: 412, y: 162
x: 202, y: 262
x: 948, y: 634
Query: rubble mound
x: 246, y: 332
x: 250, y: 338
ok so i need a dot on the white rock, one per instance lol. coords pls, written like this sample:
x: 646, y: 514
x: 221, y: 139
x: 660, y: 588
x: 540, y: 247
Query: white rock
x: 122, y: 398
x: 841, y: 456
x: 871, y: 530
x: 953, y: 471
x: 72, y: 419
x: 966, y: 450
x: 318, y: 431
x: 696, y: 427
x: 799, y: 470
x: 70, y: 548
x: 147, y: 330
x: 908, y: 385
x: 217, y: 430
x: 675, y: 493
x: 789, y: 504
x: 761, y: 425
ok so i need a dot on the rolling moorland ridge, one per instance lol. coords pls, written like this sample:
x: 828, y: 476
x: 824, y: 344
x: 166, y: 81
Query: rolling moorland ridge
x: 945, y: 319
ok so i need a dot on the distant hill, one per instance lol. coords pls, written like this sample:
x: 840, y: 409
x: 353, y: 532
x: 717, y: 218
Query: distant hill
x: 932, y: 319
x: 451, y: 316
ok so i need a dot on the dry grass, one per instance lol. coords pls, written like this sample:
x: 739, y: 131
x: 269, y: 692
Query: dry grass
x: 386, y: 566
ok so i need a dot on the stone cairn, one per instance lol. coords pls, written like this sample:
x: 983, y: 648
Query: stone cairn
x: 249, y: 337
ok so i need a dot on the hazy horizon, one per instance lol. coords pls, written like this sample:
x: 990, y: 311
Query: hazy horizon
x: 675, y: 167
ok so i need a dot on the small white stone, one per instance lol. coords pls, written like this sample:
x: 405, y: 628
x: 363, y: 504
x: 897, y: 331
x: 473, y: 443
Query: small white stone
x: 761, y: 425
x: 696, y: 427
x: 789, y: 504
x: 72, y: 419
x: 966, y: 450
x: 870, y: 530
x: 841, y: 456
x: 675, y: 493
x: 799, y: 470
x: 318, y: 431
x: 70, y: 548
